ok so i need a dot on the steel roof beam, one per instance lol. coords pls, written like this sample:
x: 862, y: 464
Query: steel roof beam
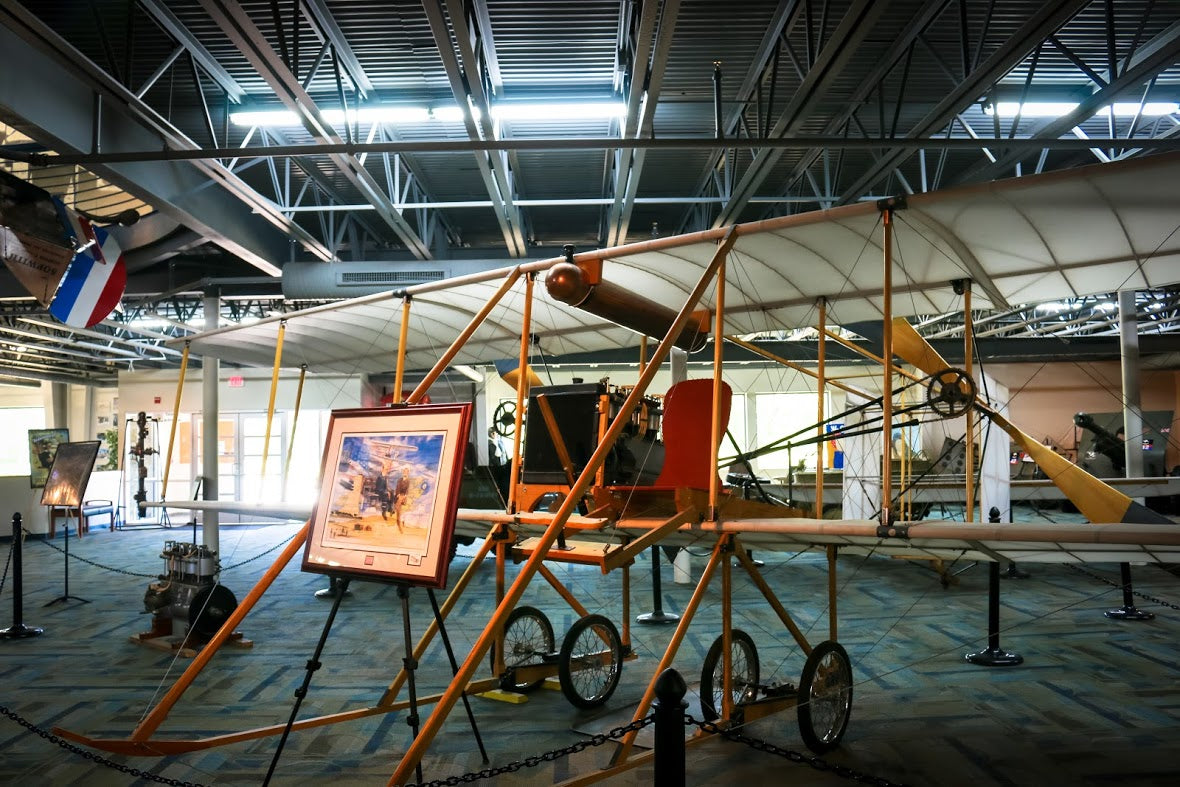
x: 462, y: 73
x: 322, y: 20
x: 646, y: 81
x: 250, y: 41
x: 1047, y: 19
x: 1148, y: 60
x: 857, y: 25
x: 175, y: 28
x: 56, y: 108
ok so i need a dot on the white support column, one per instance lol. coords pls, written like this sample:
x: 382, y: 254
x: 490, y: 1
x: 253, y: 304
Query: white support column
x: 995, y: 471
x: 862, y: 466
x: 210, y: 370
x: 1132, y: 415
x: 681, y: 566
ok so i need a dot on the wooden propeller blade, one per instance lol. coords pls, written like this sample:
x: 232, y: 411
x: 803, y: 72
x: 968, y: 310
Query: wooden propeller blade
x: 1097, y: 501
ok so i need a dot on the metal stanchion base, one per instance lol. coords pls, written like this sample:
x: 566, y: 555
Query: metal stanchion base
x: 1014, y: 573
x: 657, y: 617
x: 1128, y: 613
x: 995, y: 657
x: 21, y: 632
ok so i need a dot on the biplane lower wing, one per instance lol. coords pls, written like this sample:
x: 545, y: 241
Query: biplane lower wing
x: 1044, y: 543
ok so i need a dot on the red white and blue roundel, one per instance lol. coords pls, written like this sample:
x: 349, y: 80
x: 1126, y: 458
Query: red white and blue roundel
x: 96, y: 278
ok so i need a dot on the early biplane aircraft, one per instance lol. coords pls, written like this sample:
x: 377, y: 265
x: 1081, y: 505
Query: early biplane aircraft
x: 1088, y: 230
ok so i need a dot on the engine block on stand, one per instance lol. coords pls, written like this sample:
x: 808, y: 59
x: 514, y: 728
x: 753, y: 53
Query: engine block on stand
x: 187, y: 600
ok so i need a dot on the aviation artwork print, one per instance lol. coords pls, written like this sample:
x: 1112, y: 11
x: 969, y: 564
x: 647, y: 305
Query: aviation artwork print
x: 389, y: 494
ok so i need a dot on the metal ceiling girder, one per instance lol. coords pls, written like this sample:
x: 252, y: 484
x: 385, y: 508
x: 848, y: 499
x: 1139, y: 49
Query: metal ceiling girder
x: 315, y: 176
x: 175, y: 28
x: 250, y: 41
x: 1047, y: 19
x: 333, y: 36
x: 1159, y: 53
x: 317, y: 11
x: 57, y: 109
x: 780, y: 24
x: 629, y: 162
x: 909, y: 36
x: 461, y: 71
x: 858, y: 23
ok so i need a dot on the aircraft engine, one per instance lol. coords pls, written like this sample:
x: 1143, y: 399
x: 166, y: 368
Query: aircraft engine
x: 188, y: 596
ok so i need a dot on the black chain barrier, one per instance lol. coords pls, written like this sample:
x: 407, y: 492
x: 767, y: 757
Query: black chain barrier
x: 599, y: 739
x: 89, y: 755
x: 75, y: 556
x: 1121, y: 586
x: 818, y: 763
x: 537, y: 759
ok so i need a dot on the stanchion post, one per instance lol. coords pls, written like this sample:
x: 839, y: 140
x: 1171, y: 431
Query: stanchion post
x: 994, y: 655
x: 18, y: 629
x: 668, y: 709
x: 657, y: 615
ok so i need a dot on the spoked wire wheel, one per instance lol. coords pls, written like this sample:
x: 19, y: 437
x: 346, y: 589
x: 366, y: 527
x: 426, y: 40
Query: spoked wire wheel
x: 825, y: 697
x: 528, y: 639
x: 590, y: 661
x: 743, y: 674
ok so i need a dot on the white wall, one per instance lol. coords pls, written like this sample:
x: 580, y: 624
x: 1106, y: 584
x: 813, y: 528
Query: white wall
x: 155, y: 391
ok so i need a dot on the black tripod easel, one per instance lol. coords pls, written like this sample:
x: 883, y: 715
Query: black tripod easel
x: 66, y: 594
x: 340, y: 586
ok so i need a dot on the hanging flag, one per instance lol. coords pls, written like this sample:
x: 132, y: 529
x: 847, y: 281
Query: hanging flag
x: 96, y: 278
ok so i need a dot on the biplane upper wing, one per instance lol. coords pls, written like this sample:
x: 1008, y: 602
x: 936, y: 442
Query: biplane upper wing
x: 1083, y: 231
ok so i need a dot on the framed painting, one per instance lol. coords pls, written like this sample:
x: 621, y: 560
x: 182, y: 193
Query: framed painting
x: 43, y: 445
x: 389, y: 493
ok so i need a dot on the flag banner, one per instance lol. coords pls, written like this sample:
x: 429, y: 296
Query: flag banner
x: 96, y: 277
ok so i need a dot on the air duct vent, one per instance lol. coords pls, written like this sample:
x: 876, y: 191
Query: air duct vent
x: 352, y: 279
x: 387, y: 277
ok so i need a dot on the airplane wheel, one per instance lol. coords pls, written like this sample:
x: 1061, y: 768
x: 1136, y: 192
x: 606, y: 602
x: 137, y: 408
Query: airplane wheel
x: 587, y: 680
x: 950, y: 393
x: 825, y: 697
x: 743, y: 677
x: 528, y: 639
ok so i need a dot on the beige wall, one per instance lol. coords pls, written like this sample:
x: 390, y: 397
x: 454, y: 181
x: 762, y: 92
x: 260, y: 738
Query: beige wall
x: 1045, y: 397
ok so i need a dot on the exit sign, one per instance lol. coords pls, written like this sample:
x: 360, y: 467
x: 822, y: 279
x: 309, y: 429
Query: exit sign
x: 237, y: 381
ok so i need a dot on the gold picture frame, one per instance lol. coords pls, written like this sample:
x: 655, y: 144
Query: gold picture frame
x: 389, y: 493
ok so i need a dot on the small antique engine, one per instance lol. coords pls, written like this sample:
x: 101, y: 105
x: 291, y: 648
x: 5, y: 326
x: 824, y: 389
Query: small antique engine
x: 188, y: 596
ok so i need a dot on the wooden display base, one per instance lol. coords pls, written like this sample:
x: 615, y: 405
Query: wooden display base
x: 169, y: 644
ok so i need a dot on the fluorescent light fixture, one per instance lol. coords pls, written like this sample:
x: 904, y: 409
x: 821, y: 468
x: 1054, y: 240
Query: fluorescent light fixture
x: 1054, y: 109
x: 452, y: 113
x: 585, y: 110
x: 278, y: 118
x: 1105, y: 306
x: 1051, y: 306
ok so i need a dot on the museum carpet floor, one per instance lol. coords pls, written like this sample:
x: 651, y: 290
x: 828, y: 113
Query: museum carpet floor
x: 1095, y: 702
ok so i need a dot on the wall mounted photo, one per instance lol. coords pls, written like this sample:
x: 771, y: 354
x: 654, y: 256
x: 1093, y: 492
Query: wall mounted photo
x: 43, y: 445
x: 389, y: 492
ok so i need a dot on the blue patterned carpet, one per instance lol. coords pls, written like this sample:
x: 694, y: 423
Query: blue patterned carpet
x: 1096, y: 701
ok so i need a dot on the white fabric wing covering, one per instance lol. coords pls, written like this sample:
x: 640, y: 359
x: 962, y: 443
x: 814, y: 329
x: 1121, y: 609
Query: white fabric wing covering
x: 1084, y: 231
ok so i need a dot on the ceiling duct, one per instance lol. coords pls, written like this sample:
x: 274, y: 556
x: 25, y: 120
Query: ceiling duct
x: 319, y: 280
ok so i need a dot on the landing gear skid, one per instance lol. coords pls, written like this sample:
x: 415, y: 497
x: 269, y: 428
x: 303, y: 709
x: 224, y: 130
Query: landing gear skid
x: 823, y: 701
x: 588, y: 665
